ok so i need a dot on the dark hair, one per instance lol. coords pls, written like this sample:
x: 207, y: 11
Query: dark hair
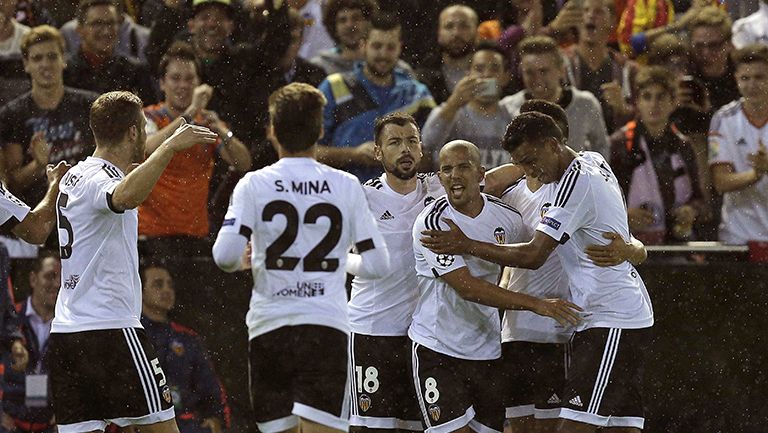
x: 296, y: 115
x: 655, y: 75
x: 149, y: 263
x: 385, y: 22
x: 333, y: 7
x: 551, y: 109
x: 82, y: 8
x: 750, y: 54
x: 37, y: 265
x: 295, y: 21
x: 181, y: 51
x: 666, y: 46
x: 492, y: 46
x: 540, y: 45
x: 40, y: 34
x: 398, y: 118
x: 112, y: 114
x: 529, y: 128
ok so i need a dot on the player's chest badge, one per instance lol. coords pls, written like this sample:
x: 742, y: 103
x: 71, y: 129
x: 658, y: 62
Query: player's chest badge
x: 500, y: 235
x: 365, y: 403
x: 434, y: 412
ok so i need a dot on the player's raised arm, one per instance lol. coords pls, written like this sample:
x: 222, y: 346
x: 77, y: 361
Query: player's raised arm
x: 38, y: 224
x: 136, y: 186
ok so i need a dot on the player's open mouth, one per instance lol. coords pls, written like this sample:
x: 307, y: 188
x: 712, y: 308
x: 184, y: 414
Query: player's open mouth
x: 407, y: 162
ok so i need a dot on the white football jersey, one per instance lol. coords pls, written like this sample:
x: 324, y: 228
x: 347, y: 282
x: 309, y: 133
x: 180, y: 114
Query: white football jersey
x: 549, y: 281
x: 587, y: 203
x: 301, y: 217
x: 732, y: 138
x: 12, y: 210
x: 100, y: 285
x: 443, y: 321
x: 384, y: 306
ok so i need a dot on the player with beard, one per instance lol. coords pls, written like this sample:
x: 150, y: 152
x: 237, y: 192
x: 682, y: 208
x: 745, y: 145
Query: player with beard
x: 356, y: 98
x: 380, y: 309
x: 97, y: 343
x: 456, y: 36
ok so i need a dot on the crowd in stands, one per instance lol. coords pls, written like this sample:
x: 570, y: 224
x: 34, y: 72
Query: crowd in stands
x: 674, y: 93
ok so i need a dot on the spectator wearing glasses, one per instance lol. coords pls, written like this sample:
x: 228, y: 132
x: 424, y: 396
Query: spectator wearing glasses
x: 97, y: 66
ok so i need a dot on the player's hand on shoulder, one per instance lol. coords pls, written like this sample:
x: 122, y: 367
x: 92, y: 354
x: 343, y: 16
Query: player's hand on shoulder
x: 452, y: 241
x: 566, y: 313
x: 55, y: 173
x: 188, y: 135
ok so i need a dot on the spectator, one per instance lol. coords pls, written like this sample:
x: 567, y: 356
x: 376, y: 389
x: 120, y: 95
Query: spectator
x: 593, y: 66
x: 97, y: 66
x: 442, y: 70
x: 644, y: 20
x: 710, y: 35
x: 13, y: 80
x: 656, y: 165
x: 473, y: 112
x: 738, y: 156
x: 35, y: 316
x: 316, y: 37
x: 541, y: 65
x: 10, y: 29
x: 199, y: 399
x: 348, y: 22
x: 374, y: 88
x: 132, y: 38
x: 48, y: 124
x: 225, y: 67
x: 752, y: 29
x: 174, y: 217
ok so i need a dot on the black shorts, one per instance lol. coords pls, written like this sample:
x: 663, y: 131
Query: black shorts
x: 605, y: 378
x: 453, y: 392
x: 299, y: 371
x: 382, y: 384
x: 106, y: 376
x: 533, y: 374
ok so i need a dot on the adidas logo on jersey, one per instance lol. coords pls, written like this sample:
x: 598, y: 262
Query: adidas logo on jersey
x: 576, y: 401
x: 554, y: 399
x: 386, y: 216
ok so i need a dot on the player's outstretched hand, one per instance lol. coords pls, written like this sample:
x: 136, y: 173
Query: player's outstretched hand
x: 55, y: 173
x: 566, y: 313
x: 452, y: 241
x: 608, y: 255
x: 188, y: 135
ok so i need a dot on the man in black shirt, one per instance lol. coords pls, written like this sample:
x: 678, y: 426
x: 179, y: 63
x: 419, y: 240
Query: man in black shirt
x: 48, y: 124
x: 97, y: 66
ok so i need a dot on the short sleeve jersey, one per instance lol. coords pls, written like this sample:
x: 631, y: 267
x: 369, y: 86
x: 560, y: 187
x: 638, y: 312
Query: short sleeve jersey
x: 66, y: 130
x: 384, y: 306
x: 443, y: 321
x: 587, y: 203
x: 12, y: 210
x: 549, y: 281
x: 732, y: 138
x: 100, y: 285
x: 301, y: 217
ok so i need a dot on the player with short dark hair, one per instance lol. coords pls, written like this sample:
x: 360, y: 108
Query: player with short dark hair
x: 99, y: 305
x: 603, y: 388
x: 301, y: 218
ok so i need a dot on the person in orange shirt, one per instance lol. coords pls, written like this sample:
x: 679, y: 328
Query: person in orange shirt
x: 174, y: 218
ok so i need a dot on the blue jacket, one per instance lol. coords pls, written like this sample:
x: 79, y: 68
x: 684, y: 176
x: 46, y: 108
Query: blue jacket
x: 196, y: 390
x: 354, y: 103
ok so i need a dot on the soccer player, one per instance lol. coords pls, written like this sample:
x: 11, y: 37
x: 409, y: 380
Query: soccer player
x: 301, y: 218
x: 35, y: 225
x: 534, y: 347
x: 603, y: 387
x: 380, y: 309
x: 101, y: 365
x: 456, y: 329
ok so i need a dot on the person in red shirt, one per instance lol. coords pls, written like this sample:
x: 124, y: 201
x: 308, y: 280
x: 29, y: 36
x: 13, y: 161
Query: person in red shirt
x: 175, y: 215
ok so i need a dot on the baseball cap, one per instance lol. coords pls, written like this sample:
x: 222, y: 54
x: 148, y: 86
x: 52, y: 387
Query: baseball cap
x: 199, y: 4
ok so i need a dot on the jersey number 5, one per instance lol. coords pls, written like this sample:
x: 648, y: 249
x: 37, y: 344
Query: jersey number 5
x: 315, y: 261
x: 64, y: 250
